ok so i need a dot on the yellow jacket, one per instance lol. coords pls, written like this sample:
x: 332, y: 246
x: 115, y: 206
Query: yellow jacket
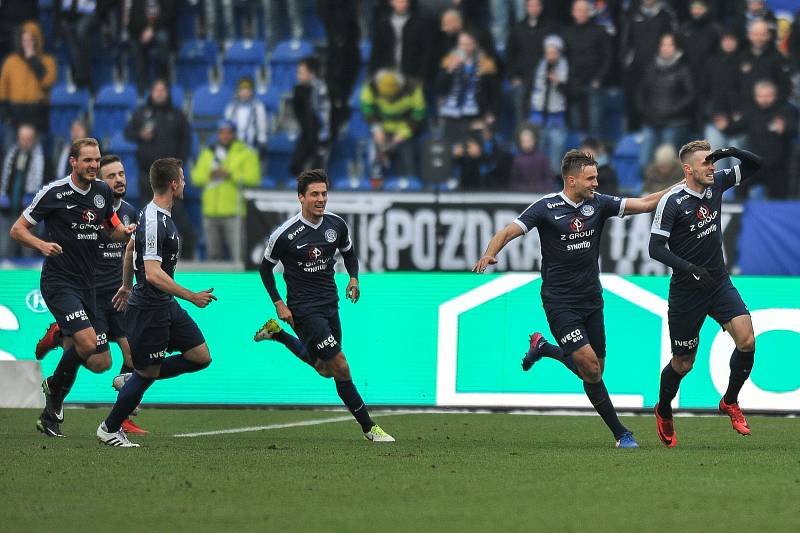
x: 18, y: 83
x: 222, y: 198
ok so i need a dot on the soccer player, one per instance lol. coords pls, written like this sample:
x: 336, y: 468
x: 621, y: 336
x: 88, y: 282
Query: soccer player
x: 75, y: 210
x: 687, y: 236
x: 306, y: 245
x: 156, y: 324
x: 570, y: 224
x: 108, y: 321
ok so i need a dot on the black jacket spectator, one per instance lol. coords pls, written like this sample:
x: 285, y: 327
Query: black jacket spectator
x: 699, y: 39
x: 721, y: 88
x: 588, y: 52
x: 666, y: 93
x: 769, y: 64
x: 524, y: 49
x: 413, y: 57
x: 12, y: 14
x: 770, y: 132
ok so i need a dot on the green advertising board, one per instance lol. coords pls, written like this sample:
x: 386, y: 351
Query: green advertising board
x: 434, y: 339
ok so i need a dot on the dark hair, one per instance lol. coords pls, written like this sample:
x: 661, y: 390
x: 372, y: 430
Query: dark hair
x: 691, y: 147
x: 164, y: 171
x: 108, y: 159
x: 574, y: 161
x: 315, y: 175
x: 77, y: 144
x: 311, y: 63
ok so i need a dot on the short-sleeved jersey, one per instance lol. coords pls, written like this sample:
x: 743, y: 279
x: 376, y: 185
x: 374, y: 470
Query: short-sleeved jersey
x: 156, y: 239
x: 570, y: 240
x: 307, y: 252
x: 691, y: 222
x: 111, y: 254
x: 74, y: 220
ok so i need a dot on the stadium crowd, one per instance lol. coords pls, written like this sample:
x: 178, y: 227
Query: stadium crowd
x: 248, y: 93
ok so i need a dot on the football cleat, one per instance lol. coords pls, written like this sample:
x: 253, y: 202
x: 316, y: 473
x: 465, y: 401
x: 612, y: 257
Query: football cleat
x: 118, y: 439
x: 666, y: 430
x: 267, y: 331
x: 533, y: 355
x: 376, y: 434
x: 48, y: 426
x: 50, y: 341
x: 129, y: 426
x: 738, y: 421
x: 626, y: 440
x: 53, y: 405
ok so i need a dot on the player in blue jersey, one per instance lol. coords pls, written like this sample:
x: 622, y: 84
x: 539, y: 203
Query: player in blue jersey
x: 306, y: 245
x: 75, y: 210
x: 570, y: 225
x: 155, y: 324
x: 687, y: 236
x: 108, y: 322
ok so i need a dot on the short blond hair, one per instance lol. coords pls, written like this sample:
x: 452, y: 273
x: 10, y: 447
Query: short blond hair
x: 691, y: 147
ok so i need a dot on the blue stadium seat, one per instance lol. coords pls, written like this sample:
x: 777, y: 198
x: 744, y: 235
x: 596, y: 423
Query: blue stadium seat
x: 279, y: 155
x: 242, y: 59
x: 627, y: 147
x: 271, y: 98
x: 403, y: 184
x: 626, y: 162
x: 208, y: 106
x: 283, y: 63
x: 66, y: 104
x: 126, y: 151
x: 358, y: 126
x: 112, y: 107
x: 614, y: 114
x: 351, y: 183
x: 268, y: 183
x: 195, y: 59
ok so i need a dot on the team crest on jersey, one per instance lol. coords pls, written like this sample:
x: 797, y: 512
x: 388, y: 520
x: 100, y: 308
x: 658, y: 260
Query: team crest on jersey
x: 126, y: 220
x: 330, y: 235
x: 708, y: 192
x: 587, y: 210
x: 99, y: 201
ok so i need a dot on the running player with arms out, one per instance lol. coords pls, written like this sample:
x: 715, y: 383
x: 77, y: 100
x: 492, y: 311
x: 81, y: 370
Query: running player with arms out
x: 108, y: 321
x: 75, y: 210
x: 306, y: 244
x: 570, y: 225
x: 155, y: 323
x: 687, y: 236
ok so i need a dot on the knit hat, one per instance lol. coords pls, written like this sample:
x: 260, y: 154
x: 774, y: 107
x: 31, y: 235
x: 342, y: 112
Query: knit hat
x: 388, y: 83
x: 245, y: 83
x: 226, y: 124
x: 554, y: 41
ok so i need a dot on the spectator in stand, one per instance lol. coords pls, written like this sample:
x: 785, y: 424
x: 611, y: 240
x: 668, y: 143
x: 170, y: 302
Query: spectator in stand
x: 793, y: 43
x: 762, y: 61
x: 723, y: 105
x: 504, y: 14
x: 666, y: 99
x: 12, y: 14
x: 399, y: 42
x: 77, y: 130
x: 25, y: 168
x: 452, y: 25
x: 549, y: 99
x: 222, y: 170
x: 642, y: 29
x: 151, y: 27
x: 480, y: 164
x: 161, y: 130
x: 606, y: 174
x: 771, y: 128
x: 530, y: 169
x: 588, y: 53
x: 250, y: 117
x: 25, y: 81
x: 665, y: 170
x: 523, y: 52
x: 77, y: 21
x: 395, y: 109
x: 756, y: 10
x: 312, y: 109
x: 468, y: 88
x: 699, y: 38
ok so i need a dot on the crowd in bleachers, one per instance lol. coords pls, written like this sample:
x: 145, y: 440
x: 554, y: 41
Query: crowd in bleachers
x: 391, y: 94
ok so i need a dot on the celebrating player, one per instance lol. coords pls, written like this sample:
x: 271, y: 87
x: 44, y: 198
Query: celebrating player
x: 570, y: 224
x: 306, y: 244
x: 688, y: 220
x: 75, y: 209
x: 156, y: 324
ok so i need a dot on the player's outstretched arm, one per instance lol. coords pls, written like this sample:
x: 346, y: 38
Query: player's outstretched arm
x: 648, y: 203
x: 21, y: 232
x: 268, y: 279
x: 660, y: 252
x: 160, y: 280
x: 498, y: 242
x: 749, y: 164
x: 120, y: 299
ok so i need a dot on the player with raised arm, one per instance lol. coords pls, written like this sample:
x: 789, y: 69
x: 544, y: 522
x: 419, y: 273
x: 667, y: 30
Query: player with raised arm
x: 687, y: 236
x: 75, y: 210
x: 306, y: 244
x: 155, y: 323
x: 570, y: 225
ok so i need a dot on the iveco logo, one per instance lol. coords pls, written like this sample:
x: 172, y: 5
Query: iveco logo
x: 35, y: 301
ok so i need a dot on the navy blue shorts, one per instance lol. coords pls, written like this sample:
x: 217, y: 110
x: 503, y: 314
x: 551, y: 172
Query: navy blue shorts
x: 688, y: 308
x: 108, y: 323
x: 574, y: 328
x: 320, y: 331
x: 74, y: 309
x: 153, y: 332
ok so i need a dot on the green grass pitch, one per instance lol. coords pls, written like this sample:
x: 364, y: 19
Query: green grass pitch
x: 447, y: 472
